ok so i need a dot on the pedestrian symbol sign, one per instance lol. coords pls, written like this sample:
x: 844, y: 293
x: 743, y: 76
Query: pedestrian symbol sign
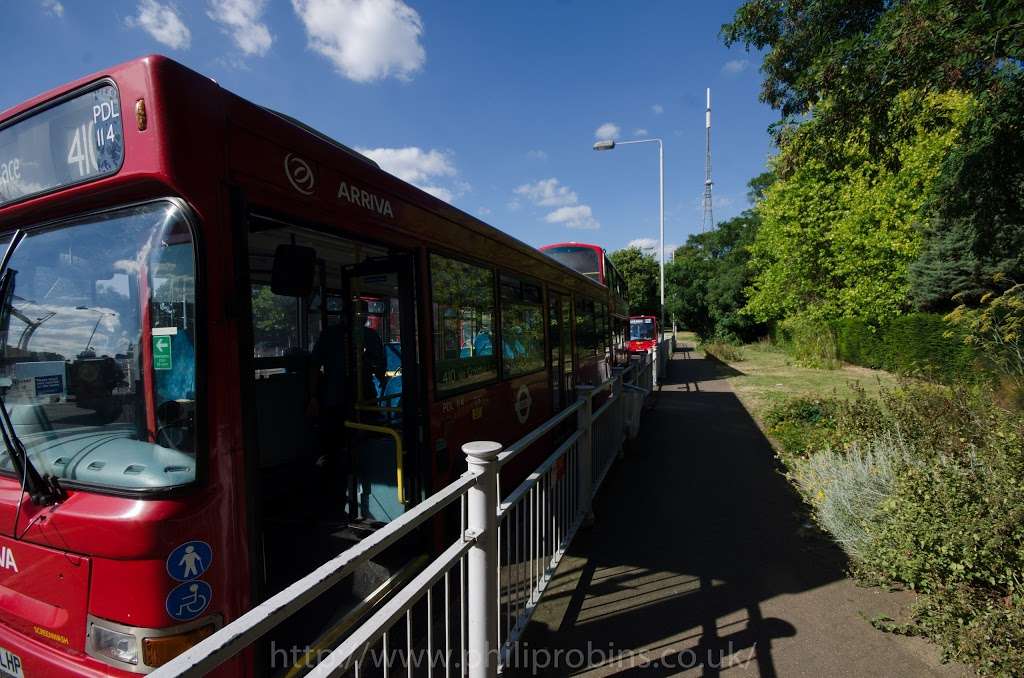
x: 188, y: 600
x: 161, y: 352
x: 189, y: 561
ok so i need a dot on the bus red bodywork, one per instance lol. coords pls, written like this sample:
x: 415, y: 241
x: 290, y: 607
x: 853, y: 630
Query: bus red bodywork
x: 101, y: 560
x: 643, y: 332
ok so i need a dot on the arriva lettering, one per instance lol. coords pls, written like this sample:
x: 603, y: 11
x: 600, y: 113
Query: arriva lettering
x: 357, y: 196
x: 7, y: 559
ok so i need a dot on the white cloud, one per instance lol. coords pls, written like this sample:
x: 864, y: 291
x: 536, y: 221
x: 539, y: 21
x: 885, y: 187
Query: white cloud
x: 734, y: 66
x: 421, y: 168
x: 644, y: 244
x: 652, y: 246
x: 366, y: 40
x: 53, y: 8
x: 241, y: 20
x: 640, y: 132
x: 548, y: 193
x: 657, y: 109
x: 484, y: 211
x: 162, y: 23
x: 537, y: 154
x: 575, y: 216
x: 607, y: 131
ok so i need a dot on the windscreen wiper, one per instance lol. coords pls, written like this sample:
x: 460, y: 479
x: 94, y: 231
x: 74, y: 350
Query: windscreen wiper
x: 41, y: 490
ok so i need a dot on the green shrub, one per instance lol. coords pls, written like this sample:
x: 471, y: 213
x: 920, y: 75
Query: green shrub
x: 924, y: 488
x: 723, y: 351
x: 976, y: 627
x: 811, y: 342
x: 996, y: 331
x: 801, y: 425
x: 957, y: 517
x: 846, y: 488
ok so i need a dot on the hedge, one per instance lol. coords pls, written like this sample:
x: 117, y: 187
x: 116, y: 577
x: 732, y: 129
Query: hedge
x: 912, y: 344
x: 908, y: 344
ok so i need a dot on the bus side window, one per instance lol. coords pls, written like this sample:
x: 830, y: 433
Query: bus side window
x: 522, y: 327
x: 464, y: 341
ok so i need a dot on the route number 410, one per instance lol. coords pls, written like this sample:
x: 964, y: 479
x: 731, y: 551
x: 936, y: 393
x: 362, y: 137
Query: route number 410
x: 81, y: 152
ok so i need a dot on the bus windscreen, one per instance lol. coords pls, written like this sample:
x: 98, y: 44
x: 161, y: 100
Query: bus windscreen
x: 641, y: 329
x: 73, y: 141
x: 581, y: 259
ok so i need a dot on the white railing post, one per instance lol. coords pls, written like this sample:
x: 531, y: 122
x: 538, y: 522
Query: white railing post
x: 654, y: 369
x: 481, y: 578
x: 585, y: 450
x: 620, y: 411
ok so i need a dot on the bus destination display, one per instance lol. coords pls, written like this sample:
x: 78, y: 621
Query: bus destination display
x: 74, y: 141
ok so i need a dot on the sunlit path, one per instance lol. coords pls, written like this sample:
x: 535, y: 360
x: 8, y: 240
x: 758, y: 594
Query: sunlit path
x: 697, y: 563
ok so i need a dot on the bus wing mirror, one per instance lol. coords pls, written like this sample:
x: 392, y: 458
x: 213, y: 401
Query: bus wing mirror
x: 294, y: 266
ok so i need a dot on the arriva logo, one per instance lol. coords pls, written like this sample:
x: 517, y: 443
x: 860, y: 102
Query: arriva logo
x: 357, y: 196
x: 299, y: 173
x: 7, y: 559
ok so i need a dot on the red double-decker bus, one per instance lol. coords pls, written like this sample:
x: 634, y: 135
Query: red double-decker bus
x: 643, y: 332
x: 593, y: 261
x: 229, y: 347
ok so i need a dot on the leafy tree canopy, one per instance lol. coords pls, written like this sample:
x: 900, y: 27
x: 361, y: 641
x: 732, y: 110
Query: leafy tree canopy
x: 641, y: 273
x: 860, y: 54
x: 842, y: 226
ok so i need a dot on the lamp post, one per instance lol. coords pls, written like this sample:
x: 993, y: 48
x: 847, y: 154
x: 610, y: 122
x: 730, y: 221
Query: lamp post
x: 611, y: 144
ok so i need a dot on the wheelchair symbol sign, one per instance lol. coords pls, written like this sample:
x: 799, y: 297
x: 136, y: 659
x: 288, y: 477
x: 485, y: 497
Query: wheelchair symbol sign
x: 188, y: 600
x: 189, y: 561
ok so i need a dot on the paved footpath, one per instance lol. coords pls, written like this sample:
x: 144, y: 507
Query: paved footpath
x: 698, y: 564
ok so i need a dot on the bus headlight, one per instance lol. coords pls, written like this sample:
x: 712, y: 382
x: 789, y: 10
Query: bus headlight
x: 122, y: 647
x: 140, y: 650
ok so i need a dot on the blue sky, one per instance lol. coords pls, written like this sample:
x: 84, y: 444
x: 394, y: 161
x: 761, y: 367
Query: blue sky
x: 493, y: 106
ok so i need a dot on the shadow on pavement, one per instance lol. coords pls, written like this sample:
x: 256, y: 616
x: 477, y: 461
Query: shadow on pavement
x: 694, y: 530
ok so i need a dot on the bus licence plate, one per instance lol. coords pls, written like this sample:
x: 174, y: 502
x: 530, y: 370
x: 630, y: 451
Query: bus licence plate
x: 10, y: 664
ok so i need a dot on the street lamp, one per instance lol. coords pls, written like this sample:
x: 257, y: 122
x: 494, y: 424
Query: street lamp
x: 610, y: 144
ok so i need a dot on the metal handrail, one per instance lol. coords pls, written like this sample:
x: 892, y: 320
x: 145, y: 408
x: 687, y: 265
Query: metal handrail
x: 376, y: 626
x: 242, y: 632
x: 538, y: 519
x: 533, y: 436
x: 531, y: 479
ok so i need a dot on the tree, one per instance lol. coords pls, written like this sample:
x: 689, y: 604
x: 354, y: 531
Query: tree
x: 841, y: 226
x: 641, y: 273
x: 843, y: 63
x: 977, y: 227
x: 860, y: 55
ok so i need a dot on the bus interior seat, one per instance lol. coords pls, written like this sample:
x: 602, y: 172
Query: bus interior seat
x: 482, y: 345
x: 393, y: 353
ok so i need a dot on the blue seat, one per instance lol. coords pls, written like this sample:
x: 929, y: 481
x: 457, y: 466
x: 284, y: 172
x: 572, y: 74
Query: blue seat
x: 482, y: 345
x: 393, y: 353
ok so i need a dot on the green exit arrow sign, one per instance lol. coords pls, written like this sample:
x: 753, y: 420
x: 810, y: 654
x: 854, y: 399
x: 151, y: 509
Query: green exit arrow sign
x: 161, y: 352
